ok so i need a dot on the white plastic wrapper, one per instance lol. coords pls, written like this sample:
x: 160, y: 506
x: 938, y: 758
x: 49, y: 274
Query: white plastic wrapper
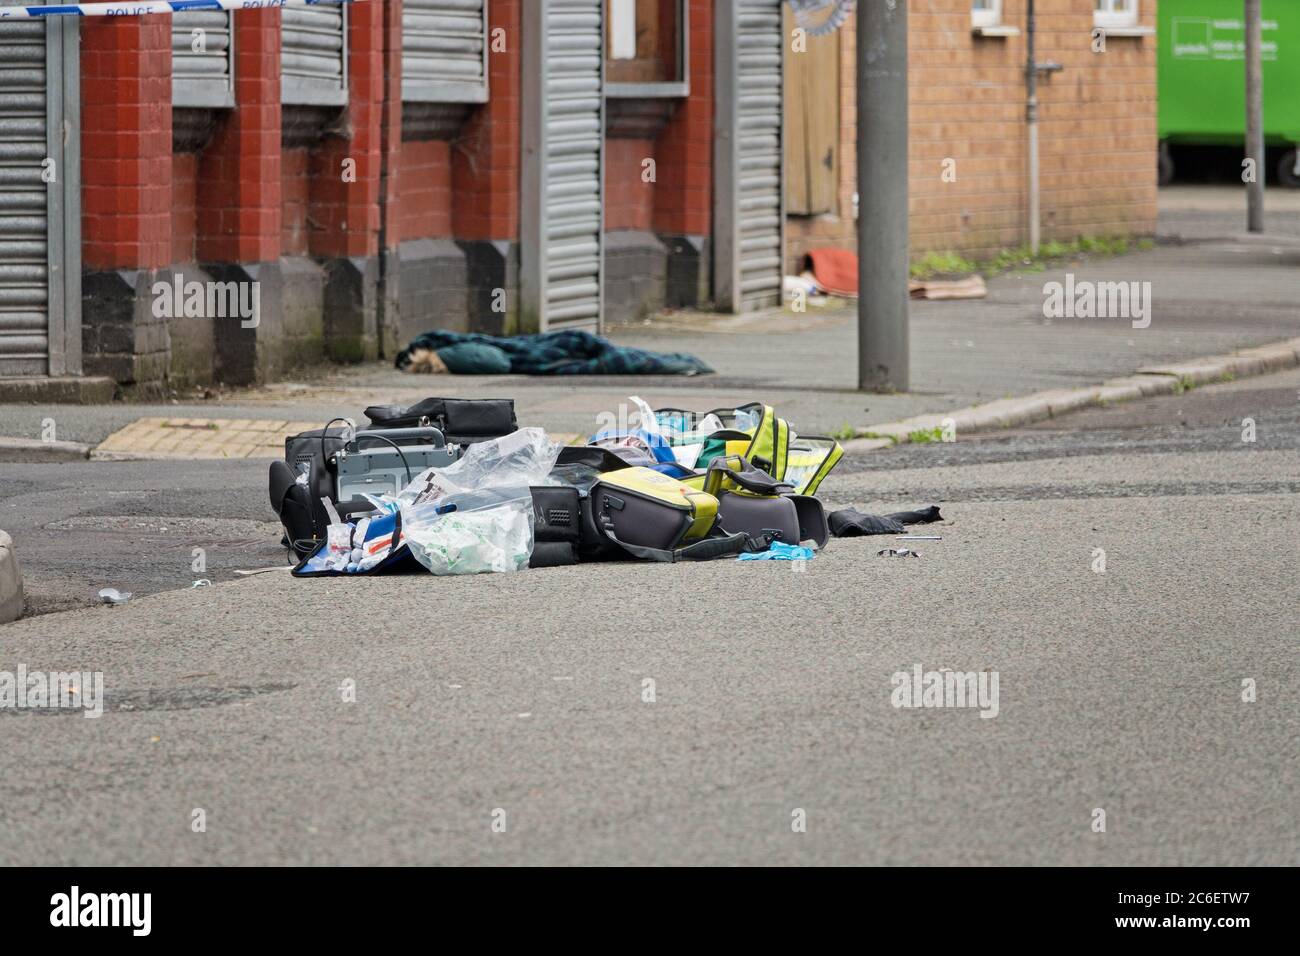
x: 476, y: 514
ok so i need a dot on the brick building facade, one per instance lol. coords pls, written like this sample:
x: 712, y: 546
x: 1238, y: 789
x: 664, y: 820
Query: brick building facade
x: 1097, y: 129
x: 509, y: 165
x: 363, y: 223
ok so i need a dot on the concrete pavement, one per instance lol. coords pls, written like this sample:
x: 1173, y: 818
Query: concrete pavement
x: 1167, y: 379
x: 1120, y: 691
x: 1192, y: 213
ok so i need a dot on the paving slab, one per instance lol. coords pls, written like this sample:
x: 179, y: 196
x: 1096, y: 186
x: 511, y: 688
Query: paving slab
x: 199, y: 438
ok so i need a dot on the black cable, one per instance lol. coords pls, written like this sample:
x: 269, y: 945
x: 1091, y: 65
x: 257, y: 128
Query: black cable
x: 298, y: 553
x: 325, y: 432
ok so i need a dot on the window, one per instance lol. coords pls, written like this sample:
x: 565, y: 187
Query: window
x: 645, y: 49
x: 1115, y: 13
x: 985, y: 13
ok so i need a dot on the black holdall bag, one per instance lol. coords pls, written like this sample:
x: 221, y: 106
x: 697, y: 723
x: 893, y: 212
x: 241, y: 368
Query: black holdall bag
x: 304, y: 517
x: 461, y: 420
x: 313, y: 453
x: 299, y: 503
x: 297, y: 485
x: 307, y: 454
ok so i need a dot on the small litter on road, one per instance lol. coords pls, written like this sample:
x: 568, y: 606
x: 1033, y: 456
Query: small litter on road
x: 804, y: 288
x: 113, y: 596
x: 918, y: 537
x: 780, y: 551
x: 834, y: 270
x: 897, y: 553
x: 972, y: 287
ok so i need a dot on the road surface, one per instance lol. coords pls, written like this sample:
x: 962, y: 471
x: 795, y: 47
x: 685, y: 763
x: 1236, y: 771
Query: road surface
x: 508, y: 719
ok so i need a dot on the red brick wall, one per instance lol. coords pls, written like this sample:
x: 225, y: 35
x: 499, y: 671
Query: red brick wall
x: 390, y: 128
x: 239, y: 217
x: 184, y: 225
x: 1097, y: 132
x: 295, y: 196
x: 684, y: 193
x: 485, y: 163
x: 1098, y: 136
x: 345, y: 215
x: 126, y: 128
x: 629, y: 199
x: 424, y: 209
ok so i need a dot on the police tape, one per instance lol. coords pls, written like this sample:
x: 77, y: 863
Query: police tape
x: 155, y: 6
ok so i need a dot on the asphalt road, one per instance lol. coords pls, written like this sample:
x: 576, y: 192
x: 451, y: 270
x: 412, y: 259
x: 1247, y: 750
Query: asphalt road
x: 524, y: 693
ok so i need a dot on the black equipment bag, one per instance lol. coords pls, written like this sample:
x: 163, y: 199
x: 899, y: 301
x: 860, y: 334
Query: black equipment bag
x: 303, y: 530
x: 580, y: 466
x: 557, y: 525
x: 462, y: 420
x: 311, y: 454
x: 307, y: 453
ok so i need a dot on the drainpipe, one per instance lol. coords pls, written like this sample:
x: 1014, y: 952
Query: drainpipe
x: 1254, y: 116
x: 1031, y: 125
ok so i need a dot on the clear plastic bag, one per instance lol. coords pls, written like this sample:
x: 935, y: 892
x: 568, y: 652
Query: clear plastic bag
x: 472, y: 532
x: 649, y: 420
x: 519, y: 459
x: 747, y: 421
x: 476, y: 514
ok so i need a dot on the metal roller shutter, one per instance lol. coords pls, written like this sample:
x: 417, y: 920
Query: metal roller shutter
x: 444, y: 51
x: 562, y: 251
x: 202, y: 79
x: 749, y: 191
x: 24, y: 224
x: 313, y: 56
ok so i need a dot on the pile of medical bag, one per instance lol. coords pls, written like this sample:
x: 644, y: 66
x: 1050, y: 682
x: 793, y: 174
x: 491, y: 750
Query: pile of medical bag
x: 456, y: 486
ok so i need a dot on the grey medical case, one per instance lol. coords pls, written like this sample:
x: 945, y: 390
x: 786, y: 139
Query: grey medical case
x: 384, y: 462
